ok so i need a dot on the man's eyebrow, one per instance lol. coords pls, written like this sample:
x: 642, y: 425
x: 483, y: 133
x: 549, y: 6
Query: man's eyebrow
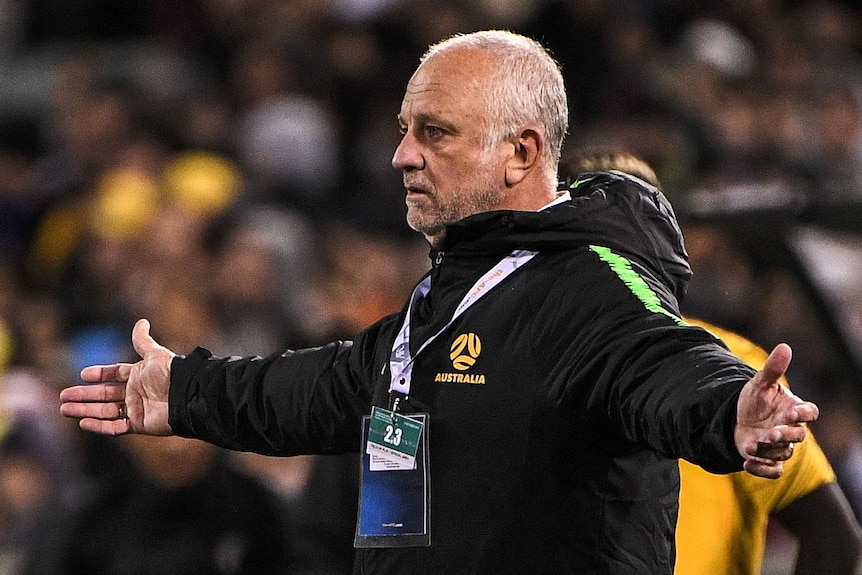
x: 424, y: 119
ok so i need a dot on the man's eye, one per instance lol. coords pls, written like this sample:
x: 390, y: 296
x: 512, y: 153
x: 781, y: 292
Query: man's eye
x: 433, y: 131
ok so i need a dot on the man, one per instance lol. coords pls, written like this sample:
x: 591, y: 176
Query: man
x: 723, y: 519
x: 529, y: 403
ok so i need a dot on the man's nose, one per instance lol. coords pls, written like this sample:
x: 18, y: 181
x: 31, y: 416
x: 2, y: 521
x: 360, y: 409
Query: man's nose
x: 407, y: 155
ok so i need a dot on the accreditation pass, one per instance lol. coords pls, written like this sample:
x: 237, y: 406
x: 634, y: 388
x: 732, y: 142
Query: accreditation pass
x: 393, y: 440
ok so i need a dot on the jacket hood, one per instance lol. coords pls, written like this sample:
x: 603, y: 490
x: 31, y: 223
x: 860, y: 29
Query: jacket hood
x: 608, y: 209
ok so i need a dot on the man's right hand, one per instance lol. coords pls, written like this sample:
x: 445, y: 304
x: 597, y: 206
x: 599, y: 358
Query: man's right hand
x: 125, y: 397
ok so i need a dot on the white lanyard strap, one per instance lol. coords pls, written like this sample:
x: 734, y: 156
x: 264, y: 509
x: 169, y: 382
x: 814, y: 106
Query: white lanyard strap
x: 401, y: 361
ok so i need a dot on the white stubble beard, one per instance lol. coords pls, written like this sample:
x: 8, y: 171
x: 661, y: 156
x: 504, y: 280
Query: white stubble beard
x: 482, y: 194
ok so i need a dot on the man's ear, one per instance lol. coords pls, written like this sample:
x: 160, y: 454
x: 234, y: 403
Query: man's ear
x: 528, y: 146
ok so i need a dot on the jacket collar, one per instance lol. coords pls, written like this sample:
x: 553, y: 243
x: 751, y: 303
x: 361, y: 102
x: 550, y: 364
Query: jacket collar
x: 607, y: 209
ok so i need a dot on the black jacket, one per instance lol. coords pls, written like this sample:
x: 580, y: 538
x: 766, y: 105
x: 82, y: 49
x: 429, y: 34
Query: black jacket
x: 557, y: 454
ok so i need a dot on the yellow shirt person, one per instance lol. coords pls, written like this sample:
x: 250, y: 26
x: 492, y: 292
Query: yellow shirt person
x: 723, y: 518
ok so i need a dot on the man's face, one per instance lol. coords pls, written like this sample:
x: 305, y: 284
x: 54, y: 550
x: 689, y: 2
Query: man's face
x: 448, y: 173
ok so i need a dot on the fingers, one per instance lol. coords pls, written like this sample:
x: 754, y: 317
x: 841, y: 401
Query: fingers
x: 107, y: 411
x: 806, y: 411
x: 106, y: 426
x: 105, y: 401
x: 116, y: 373
x: 774, y: 452
x: 101, y: 408
x: 784, y: 434
x: 777, y: 443
x: 93, y: 393
x: 142, y: 341
x: 119, y: 372
x: 764, y: 468
x: 767, y: 459
x: 775, y: 367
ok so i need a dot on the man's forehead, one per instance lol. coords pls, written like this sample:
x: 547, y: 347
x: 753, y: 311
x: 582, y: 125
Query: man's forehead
x: 437, y: 105
x: 443, y: 82
x: 461, y: 60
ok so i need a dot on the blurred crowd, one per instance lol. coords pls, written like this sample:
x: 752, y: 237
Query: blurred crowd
x: 222, y: 167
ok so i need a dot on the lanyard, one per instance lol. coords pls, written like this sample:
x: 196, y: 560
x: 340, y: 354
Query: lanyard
x: 401, y: 361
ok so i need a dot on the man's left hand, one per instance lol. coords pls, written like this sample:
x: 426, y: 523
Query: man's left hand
x: 770, y: 419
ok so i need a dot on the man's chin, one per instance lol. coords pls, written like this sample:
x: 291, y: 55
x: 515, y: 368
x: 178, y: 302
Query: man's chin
x: 436, y: 238
x: 430, y: 231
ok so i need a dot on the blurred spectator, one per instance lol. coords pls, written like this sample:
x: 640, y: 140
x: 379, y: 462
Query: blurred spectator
x: 366, y: 278
x: 836, y: 163
x: 319, y: 494
x: 203, y: 181
x: 286, y: 137
x: 82, y: 243
x: 373, y: 198
x: 325, y: 514
x: 39, y: 473
x: 720, y: 291
x: 28, y: 493
x: 20, y: 149
x: 208, y: 518
x: 263, y: 270
x: 841, y: 435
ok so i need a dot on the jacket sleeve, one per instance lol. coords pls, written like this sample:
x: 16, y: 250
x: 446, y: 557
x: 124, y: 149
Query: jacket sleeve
x: 641, y: 373
x: 686, y: 405
x: 295, y: 402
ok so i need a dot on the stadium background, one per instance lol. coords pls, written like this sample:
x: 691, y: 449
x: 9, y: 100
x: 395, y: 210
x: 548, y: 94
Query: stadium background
x: 222, y: 168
